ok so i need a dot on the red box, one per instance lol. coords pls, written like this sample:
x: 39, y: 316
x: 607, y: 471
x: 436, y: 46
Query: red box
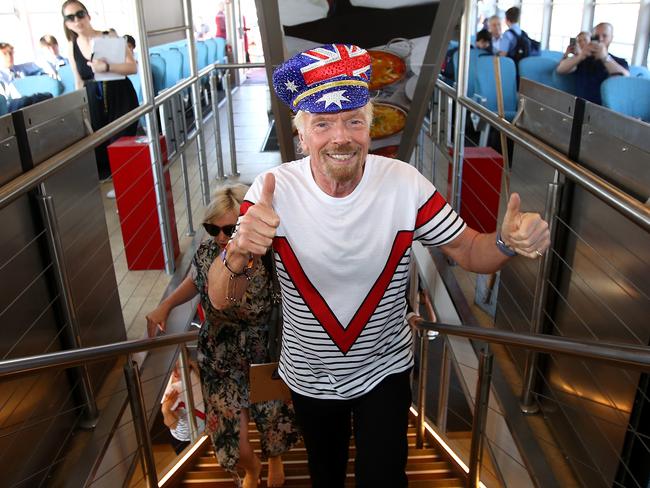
x: 481, y: 187
x: 136, y: 203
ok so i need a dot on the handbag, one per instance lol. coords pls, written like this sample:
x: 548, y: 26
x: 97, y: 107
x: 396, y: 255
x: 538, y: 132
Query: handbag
x: 265, y: 382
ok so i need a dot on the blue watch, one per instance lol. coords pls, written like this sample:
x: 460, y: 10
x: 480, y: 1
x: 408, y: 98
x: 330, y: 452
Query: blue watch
x: 504, y: 248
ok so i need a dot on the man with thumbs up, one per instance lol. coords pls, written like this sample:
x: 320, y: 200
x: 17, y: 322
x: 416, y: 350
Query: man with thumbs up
x: 341, y: 223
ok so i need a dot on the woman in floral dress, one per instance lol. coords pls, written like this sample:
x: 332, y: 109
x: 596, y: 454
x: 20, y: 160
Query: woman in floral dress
x: 229, y: 341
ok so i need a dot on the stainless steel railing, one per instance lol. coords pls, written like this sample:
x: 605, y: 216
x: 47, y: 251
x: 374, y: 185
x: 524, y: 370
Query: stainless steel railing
x: 605, y: 191
x: 619, y: 355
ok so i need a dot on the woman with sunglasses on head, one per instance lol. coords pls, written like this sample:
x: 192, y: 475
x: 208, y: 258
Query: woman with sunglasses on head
x: 107, y: 100
x: 229, y: 341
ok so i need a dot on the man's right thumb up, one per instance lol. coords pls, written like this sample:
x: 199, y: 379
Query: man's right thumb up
x: 266, y: 199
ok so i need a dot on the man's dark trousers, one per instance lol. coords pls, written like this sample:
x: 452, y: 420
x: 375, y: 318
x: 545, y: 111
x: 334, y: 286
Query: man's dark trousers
x: 379, y: 419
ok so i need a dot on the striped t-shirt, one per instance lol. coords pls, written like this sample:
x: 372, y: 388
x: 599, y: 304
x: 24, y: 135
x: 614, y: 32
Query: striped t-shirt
x: 343, y: 268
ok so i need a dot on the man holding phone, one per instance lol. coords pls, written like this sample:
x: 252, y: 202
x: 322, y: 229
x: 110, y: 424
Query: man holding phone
x: 593, y: 64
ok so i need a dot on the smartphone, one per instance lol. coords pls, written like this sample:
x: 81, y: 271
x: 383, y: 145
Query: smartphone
x: 595, y: 39
x: 572, y: 42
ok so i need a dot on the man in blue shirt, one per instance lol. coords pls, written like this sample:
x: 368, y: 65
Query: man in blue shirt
x: 593, y: 64
x: 509, y: 38
x: 494, y: 27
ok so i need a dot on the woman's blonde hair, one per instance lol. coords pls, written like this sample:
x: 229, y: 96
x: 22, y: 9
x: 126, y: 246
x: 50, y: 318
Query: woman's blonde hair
x: 226, y: 199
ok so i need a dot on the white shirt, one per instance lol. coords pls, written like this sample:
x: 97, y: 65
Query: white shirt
x: 343, y: 267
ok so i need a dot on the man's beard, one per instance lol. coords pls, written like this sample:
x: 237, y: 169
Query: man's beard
x: 342, y: 173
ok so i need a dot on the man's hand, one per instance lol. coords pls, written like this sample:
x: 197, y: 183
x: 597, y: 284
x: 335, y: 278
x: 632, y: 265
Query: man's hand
x: 599, y: 51
x: 526, y: 233
x: 258, y: 227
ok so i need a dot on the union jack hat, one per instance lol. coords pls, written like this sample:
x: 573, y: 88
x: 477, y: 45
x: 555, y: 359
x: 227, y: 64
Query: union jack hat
x: 328, y: 78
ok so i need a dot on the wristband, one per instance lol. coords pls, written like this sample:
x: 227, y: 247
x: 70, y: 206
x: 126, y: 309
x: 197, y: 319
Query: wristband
x: 108, y: 67
x: 504, y: 248
x: 244, y: 272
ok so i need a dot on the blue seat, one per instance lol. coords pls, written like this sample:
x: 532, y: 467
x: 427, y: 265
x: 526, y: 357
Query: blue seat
x: 158, y: 69
x: 29, y: 85
x: 3, y: 105
x: 201, y: 55
x: 627, y: 95
x: 486, y: 84
x: 471, y: 72
x: 211, y: 46
x: 539, y: 69
x: 555, y: 55
x: 639, y: 72
x: 173, y: 66
x: 185, y: 64
x: 566, y: 83
x: 67, y: 78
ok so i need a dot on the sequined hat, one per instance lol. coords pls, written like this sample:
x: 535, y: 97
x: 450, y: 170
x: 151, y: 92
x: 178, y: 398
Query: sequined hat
x: 328, y: 78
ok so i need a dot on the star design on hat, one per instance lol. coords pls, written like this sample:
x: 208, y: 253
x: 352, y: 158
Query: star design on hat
x: 291, y: 86
x: 333, y: 98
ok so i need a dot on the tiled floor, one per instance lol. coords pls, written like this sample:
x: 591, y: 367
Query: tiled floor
x: 141, y: 291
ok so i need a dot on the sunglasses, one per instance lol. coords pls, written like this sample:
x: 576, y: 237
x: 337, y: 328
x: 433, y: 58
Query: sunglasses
x: 81, y: 14
x: 214, y: 230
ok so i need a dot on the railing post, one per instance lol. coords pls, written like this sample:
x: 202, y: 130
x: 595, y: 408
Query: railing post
x: 196, y: 102
x: 155, y: 151
x: 231, y: 124
x: 139, y: 414
x: 481, y: 401
x: 188, y: 198
x: 214, y: 96
x: 91, y: 413
x: 553, y: 195
x: 188, y: 392
x: 461, y: 111
x: 443, y: 393
x: 422, y: 386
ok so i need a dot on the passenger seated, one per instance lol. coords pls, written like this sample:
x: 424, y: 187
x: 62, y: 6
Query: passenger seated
x: 51, y: 60
x: 8, y: 73
x: 577, y: 44
x: 483, y: 43
x: 593, y: 64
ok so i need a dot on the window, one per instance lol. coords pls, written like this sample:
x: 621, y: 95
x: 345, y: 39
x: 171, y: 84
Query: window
x: 566, y: 21
x: 532, y: 15
x: 623, y: 16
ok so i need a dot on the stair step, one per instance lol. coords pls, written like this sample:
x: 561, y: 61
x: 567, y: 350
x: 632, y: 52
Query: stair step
x: 415, y: 470
x: 206, y: 463
x: 426, y: 467
x: 304, y: 482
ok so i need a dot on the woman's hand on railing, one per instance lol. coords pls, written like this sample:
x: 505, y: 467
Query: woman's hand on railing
x: 157, y: 320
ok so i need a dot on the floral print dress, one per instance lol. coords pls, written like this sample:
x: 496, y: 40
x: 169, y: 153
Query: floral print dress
x: 229, y: 341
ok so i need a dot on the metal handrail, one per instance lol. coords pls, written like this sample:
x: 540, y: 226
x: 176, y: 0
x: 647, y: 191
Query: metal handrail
x: 602, y: 189
x: 30, y: 179
x: 626, y: 355
x: 75, y: 357
x: 208, y: 69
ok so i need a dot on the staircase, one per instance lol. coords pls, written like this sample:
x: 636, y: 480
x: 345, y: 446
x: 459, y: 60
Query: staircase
x: 426, y: 468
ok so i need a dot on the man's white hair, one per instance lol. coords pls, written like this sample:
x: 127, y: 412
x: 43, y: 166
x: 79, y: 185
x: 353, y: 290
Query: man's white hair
x: 299, y: 121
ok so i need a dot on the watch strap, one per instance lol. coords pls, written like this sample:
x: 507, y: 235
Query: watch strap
x: 504, y: 248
